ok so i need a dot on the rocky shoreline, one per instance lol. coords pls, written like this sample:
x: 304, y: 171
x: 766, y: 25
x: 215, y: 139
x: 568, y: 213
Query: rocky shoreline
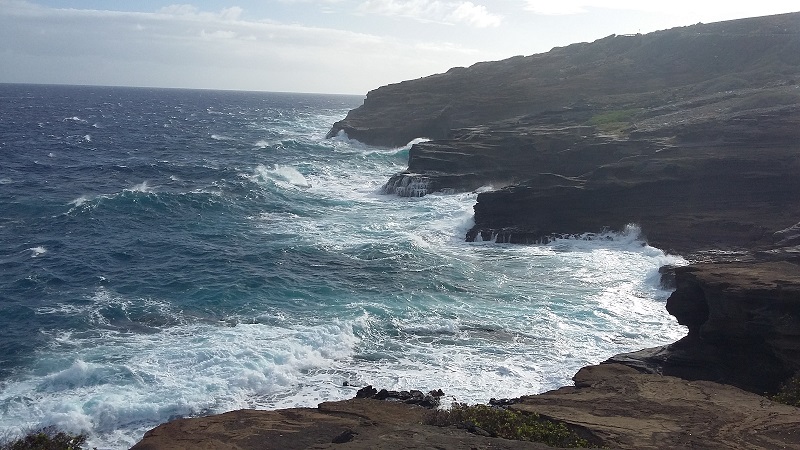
x: 743, y: 331
x: 691, y: 133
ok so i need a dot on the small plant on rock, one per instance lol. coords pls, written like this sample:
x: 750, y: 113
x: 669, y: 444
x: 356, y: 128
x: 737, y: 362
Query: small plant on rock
x: 47, y: 439
x: 507, y: 424
x: 789, y: 392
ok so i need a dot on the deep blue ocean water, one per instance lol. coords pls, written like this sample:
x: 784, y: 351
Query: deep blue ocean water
x: 171, y: 253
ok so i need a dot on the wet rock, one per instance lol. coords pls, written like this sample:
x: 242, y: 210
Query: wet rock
x: 667, y: 273
x: 412, y: 397
x: 503, y: 402
x: 366, y: 392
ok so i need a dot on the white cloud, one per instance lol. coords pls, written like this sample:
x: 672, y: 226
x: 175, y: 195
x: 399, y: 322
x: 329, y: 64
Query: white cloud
x: 179, y: 10
x: 192, y: 12
x: 218, y: 34
x: 183, y: 46
x: 675, y: 7
x: 451, y: 12
x: 475, y: 15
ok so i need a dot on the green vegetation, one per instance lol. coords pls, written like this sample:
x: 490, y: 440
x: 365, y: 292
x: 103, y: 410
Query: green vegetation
x: 613, y: 121
x: 47, y: 439
x: 508, y: 424
x: 790, y: 392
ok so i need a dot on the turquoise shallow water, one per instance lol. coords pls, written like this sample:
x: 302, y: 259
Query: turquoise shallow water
x: 169, y: 253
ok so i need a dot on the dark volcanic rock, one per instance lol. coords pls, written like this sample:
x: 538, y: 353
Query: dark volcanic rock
x: 743, y: 321
x: 412, y: 397
x: 685, y: 198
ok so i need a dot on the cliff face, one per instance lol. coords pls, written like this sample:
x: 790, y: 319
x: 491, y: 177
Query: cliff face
x: 720, y: 175
x: 691, y: 133
x: 743, y: 321
x: 654, y: 69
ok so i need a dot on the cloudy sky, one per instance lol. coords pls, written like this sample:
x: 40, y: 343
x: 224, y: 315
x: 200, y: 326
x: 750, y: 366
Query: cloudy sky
x: 330, y: 46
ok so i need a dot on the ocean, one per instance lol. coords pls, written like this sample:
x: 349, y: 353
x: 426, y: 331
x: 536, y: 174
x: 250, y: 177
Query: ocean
x: 173, y: 253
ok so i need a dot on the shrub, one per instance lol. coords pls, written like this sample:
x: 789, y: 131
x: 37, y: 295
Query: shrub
x: 47, y: 439
x: 789, y: 392
x: 507, y: 424
x: 613, y: 121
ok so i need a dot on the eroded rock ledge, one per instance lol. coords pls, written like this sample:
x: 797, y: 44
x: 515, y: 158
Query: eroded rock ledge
x: 743, y: 321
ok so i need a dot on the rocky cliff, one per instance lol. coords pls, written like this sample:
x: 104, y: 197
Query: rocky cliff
x: 654, y: 70
x: 691, y: 133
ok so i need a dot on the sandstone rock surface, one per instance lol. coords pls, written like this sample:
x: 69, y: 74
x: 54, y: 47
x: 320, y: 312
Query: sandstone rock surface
x: 630, y: 410
x: 362, y: 424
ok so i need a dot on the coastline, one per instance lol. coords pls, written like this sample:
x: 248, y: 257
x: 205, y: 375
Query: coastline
x: 703, y: 156
x: 654, y: 398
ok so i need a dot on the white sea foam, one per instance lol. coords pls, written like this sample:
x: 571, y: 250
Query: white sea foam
x: 119, y: 380
x: 418, y: 140
x: 37, y: 251
x: 342, y: 138
x: 282, y: 175
x: 141, y: 187
x: 80, y: 200
x: 87, y: 138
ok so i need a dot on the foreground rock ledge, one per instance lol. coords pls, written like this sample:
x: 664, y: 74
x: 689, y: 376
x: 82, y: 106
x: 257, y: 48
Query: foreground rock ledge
x: 616, y: 404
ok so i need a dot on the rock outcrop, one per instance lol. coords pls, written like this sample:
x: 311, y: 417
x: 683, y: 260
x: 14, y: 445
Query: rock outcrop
x: 629, y: 410
x: 364, y: 424
x: 743, y: 321
x: 702, y: 182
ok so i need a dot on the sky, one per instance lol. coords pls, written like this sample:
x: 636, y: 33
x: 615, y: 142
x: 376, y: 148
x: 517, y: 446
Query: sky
x: 320, y: 46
